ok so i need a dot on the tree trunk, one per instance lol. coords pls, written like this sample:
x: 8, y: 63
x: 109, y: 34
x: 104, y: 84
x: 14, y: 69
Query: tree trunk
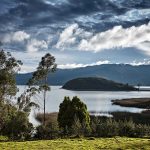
x: 45, y: 100
x: 44, y: 106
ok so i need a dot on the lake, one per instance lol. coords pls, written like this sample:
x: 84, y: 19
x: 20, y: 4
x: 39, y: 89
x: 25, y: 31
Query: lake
x: 98, y: 102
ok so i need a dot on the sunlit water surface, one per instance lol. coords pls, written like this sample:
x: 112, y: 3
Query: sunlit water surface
x: 98, y: 102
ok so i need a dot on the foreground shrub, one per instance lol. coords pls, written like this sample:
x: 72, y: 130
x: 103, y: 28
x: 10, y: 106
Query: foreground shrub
x: 138, y: 118
x: 69, y: 109
x: 109, y: 128
x: 50, y: 130
x: 15, y: 124
x: 126, y: 128
x: 79, y: 129
x: 46, y: 132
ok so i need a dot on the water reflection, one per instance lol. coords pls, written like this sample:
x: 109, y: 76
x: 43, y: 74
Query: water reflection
x: 96, y: 101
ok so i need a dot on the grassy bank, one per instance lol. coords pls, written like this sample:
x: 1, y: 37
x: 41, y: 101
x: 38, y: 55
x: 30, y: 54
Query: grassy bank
x: 133, y: 102
x: 80, y: 144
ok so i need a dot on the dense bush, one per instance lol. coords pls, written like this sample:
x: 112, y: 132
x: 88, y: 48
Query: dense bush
x: 109, y: 128
x: 138, y: 118
x: 100, y: 127
x: 50, y: 130
x: 72, y: 110
x: 126, y: 128
x: 14, y: 124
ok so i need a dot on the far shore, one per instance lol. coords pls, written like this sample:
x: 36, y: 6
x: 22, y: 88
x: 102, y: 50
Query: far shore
x: 133, y: 102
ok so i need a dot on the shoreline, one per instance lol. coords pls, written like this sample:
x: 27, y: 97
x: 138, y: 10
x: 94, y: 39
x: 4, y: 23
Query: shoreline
x: 133, y: 102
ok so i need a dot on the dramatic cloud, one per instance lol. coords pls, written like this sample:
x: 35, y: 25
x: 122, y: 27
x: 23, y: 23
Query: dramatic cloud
x: 34, y: 45
x: 119, y: 37
x: 69, y: 66
x: 18, y: 36
x: 70, y: 36
x: 76, y: 29
x: 25, y: 13
x: 67, y: 36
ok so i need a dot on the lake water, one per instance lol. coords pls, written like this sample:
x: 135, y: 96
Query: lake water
x: 98, y: 102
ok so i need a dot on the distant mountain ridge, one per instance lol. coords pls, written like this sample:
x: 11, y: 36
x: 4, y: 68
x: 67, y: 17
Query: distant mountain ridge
x: 122, y: 73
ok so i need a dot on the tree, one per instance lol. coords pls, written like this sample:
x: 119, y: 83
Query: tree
x: 24, y: 102
x: 9, y: 66
x: 71, y: 109
x: 40, y: 76
x: 14, y: 121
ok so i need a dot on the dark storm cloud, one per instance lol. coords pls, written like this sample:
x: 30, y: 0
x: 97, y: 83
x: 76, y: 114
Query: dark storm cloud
x: 45, y: 20
x: 104, y: 26
x: 38, y: 12
x: 134, y: 4
x: 27, y: 13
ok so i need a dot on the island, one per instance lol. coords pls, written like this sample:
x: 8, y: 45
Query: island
x: 96, y: 84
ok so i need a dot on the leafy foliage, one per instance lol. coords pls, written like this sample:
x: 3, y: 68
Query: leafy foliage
x: 71, y: 109
x: 40, y: 76
x: 46, y: 66
x: 24, y: 102
x: 9, y: 66
x: 109, y: 127
x: 13, y: 123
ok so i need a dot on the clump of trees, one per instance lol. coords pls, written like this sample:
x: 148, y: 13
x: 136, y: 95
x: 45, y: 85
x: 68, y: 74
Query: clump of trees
x: 14, y: 122
x: 72, y: 115
x: 73, y: 120
x: 109, y: 127
x: 14, y: 117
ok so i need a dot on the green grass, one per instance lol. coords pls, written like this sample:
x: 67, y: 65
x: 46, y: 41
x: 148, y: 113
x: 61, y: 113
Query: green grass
x: 80, y: 144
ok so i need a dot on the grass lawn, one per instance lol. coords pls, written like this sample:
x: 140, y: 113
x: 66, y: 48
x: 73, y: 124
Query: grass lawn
x: 80, y: 144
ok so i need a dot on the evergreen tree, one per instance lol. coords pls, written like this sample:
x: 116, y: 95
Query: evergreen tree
x: 71, y: 109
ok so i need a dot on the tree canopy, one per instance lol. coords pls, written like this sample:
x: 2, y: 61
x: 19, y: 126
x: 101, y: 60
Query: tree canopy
x: 69, y: 110
x: 9, y: 66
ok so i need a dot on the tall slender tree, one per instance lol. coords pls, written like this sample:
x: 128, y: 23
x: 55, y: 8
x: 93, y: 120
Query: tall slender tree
x: 40, y: 76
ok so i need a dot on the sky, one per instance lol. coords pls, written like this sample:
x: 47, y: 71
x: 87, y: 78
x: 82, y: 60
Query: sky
x: 78, y: 33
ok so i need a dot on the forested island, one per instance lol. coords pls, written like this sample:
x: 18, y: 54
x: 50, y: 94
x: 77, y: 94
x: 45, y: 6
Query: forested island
x: 96, y: 84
